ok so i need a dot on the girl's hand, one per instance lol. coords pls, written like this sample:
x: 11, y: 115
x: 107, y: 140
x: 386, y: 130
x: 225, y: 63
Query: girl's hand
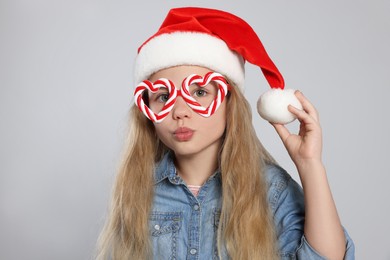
x: 323, y: 230
x: 306, y: 146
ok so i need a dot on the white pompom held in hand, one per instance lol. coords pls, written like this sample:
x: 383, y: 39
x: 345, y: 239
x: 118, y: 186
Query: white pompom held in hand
x: 272, y: 105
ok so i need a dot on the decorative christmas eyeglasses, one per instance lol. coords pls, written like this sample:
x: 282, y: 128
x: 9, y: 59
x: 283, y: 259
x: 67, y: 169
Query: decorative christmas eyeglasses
x: 203, y: 95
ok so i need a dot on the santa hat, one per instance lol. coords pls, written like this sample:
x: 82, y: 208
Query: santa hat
x: 221, y: 42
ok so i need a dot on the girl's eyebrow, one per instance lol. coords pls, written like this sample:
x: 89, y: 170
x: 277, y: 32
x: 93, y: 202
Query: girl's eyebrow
x: 159, y: 91
x: 211, y: 84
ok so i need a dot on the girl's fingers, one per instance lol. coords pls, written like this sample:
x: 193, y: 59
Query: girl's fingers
x: 307, y: 106
x: 282, y: 131
x: 307, y: 121
x: 301, y: 115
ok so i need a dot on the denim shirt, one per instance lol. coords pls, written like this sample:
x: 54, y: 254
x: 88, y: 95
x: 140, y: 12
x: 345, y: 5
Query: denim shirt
x: 183, y: 226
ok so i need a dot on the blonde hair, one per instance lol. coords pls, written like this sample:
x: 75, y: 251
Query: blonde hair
x: 246, y: 227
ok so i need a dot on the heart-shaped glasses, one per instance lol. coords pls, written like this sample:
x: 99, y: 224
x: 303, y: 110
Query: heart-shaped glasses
x: 203, y: 95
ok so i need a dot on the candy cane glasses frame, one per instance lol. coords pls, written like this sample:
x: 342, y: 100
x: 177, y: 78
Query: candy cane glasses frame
x: 223, y: 88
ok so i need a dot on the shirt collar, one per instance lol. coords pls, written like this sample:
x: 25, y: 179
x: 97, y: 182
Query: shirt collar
x: 165, y: 168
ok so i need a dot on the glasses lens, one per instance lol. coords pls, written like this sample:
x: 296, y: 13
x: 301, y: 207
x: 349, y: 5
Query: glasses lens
x: 158, y: 99
x: 204, y: 95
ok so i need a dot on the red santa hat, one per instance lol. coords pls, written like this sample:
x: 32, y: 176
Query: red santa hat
x: 221, y: 42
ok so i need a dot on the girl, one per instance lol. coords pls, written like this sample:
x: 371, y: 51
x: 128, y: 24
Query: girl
x: 195, y: 182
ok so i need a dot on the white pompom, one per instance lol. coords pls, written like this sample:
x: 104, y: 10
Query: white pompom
x: 272, y: 105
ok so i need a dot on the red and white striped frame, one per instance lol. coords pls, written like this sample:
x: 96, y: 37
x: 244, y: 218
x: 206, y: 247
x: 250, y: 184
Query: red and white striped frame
x: 154, y: 87
x: 223, y: 88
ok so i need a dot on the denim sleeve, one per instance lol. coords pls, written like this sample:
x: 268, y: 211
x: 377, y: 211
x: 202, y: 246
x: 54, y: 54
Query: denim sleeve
x: 287, y: 203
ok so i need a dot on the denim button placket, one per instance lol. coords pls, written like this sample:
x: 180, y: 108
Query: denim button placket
x: 176, y: 179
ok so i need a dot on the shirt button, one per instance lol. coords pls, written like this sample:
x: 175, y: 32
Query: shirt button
x: 196, y: 207
x: 157, y: 227
x: 193, y: 251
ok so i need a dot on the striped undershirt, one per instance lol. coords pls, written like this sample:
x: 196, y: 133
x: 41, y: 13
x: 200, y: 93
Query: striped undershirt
x: 194, y: 189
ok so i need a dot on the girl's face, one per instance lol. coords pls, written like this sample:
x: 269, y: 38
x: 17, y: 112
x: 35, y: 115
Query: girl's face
x: 183, y: 130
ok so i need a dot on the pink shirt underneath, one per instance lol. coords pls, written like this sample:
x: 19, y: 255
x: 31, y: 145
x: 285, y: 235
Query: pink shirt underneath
x: 194, y: 189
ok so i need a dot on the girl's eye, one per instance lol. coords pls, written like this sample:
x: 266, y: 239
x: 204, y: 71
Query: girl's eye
x: 163, y: 98
x: 200, y: 93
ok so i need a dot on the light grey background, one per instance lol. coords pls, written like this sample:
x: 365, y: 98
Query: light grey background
x: 66, y: 85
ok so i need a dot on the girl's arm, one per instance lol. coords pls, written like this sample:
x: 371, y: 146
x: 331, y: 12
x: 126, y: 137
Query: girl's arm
x: 323, y: 229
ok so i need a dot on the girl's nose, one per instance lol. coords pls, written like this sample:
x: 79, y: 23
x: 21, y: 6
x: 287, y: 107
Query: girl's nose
x: 181, y: 109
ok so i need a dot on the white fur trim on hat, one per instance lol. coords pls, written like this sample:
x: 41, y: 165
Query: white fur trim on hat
x: 188, y: 48
x: 272, y: 105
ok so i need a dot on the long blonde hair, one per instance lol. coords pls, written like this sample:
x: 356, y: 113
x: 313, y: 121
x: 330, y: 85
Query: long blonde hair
x: 246, y: 227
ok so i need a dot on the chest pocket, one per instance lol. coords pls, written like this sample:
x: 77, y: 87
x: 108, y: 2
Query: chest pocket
x: 164, y: 229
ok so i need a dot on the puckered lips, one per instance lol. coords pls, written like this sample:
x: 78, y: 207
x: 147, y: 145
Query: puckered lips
x: 183, y: 134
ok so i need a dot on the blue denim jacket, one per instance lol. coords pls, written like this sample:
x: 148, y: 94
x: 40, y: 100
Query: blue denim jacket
x: 183, y: 226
